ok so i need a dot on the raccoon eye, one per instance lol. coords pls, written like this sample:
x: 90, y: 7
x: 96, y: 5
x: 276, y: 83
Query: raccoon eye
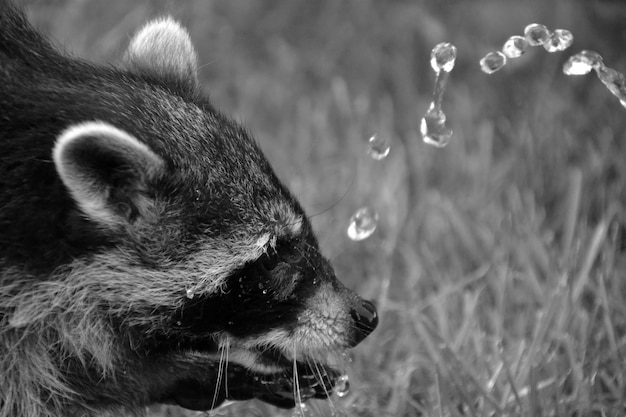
x: 269, y: 261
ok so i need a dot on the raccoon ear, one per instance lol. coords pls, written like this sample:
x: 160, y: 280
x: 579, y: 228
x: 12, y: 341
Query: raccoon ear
x: 163, y: 50
x: 107, y: 172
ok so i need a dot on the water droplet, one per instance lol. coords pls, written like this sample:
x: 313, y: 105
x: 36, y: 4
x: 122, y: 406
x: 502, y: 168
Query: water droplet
x: 566, y: 38
x: 379, y: 147
x: 264, y: 291
x: 582, y: 63
x: 301, y: 410
x: 492, y: 62
x: 342, y: 387
x: 433, y: 124
x: 536, y: 34
x: 362, y: 223
x: 515, y: 47
x: 442, y: 57
x: 190, y: 293
x: 433, y: 128
x: 577, y: 65
x: 560, y: 40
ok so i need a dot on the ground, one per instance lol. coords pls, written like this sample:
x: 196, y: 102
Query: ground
x: 498, y: 263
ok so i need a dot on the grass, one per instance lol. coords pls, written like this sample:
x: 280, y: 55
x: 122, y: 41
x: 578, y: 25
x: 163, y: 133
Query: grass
x: 498, y: 262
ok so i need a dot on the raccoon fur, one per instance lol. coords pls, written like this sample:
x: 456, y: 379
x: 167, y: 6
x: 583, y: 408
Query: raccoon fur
x: 148, y: 252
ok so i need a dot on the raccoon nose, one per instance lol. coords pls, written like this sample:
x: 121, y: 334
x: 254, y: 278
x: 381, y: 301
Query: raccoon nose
x: 365, y: 321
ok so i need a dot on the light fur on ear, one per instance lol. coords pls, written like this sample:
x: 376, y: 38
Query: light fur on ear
x: 107, y: 172
x: 163, y: 50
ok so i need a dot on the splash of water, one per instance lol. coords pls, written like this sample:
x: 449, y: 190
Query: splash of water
x: 535, y: 34
x: 433, y: 125
x: 585, y: 61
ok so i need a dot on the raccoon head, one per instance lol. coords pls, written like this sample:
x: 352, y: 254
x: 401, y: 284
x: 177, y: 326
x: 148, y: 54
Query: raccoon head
x: 184, y: 272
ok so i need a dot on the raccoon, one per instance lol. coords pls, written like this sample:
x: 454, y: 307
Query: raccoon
x: 148, y: 252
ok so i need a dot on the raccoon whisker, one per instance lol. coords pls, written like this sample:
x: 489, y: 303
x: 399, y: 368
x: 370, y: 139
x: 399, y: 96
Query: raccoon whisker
x: 225, y: 370
x: 343, y: 196
x: 166, y: 240
x: 320, y: 378
x: 296, y: 383
x: 304, y: 255
x: 221, y: 371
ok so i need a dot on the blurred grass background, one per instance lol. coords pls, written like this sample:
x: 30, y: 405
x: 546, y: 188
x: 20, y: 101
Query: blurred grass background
x: 498, y: 264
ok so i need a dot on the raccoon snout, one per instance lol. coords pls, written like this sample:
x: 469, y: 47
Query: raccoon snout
x: 365, y: 319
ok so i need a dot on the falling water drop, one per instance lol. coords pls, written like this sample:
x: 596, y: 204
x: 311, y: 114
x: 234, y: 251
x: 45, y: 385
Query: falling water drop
x: 559, y: 40
x: 442, y: 57
x: 582, y: 63
x: 613, y: 80
x: 515, y: 46
x: 576, y: 65
x: 362, y: 223
x: 536, y: 34
x: 379, y: 147
x: 433, y: 128
x: 301, y: 410
x: 492, y: 62
x: 433, y: 124
x: 342, y: 387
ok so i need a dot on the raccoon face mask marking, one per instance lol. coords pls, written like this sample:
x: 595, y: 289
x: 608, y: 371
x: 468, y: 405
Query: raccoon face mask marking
x: 148, y: 252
